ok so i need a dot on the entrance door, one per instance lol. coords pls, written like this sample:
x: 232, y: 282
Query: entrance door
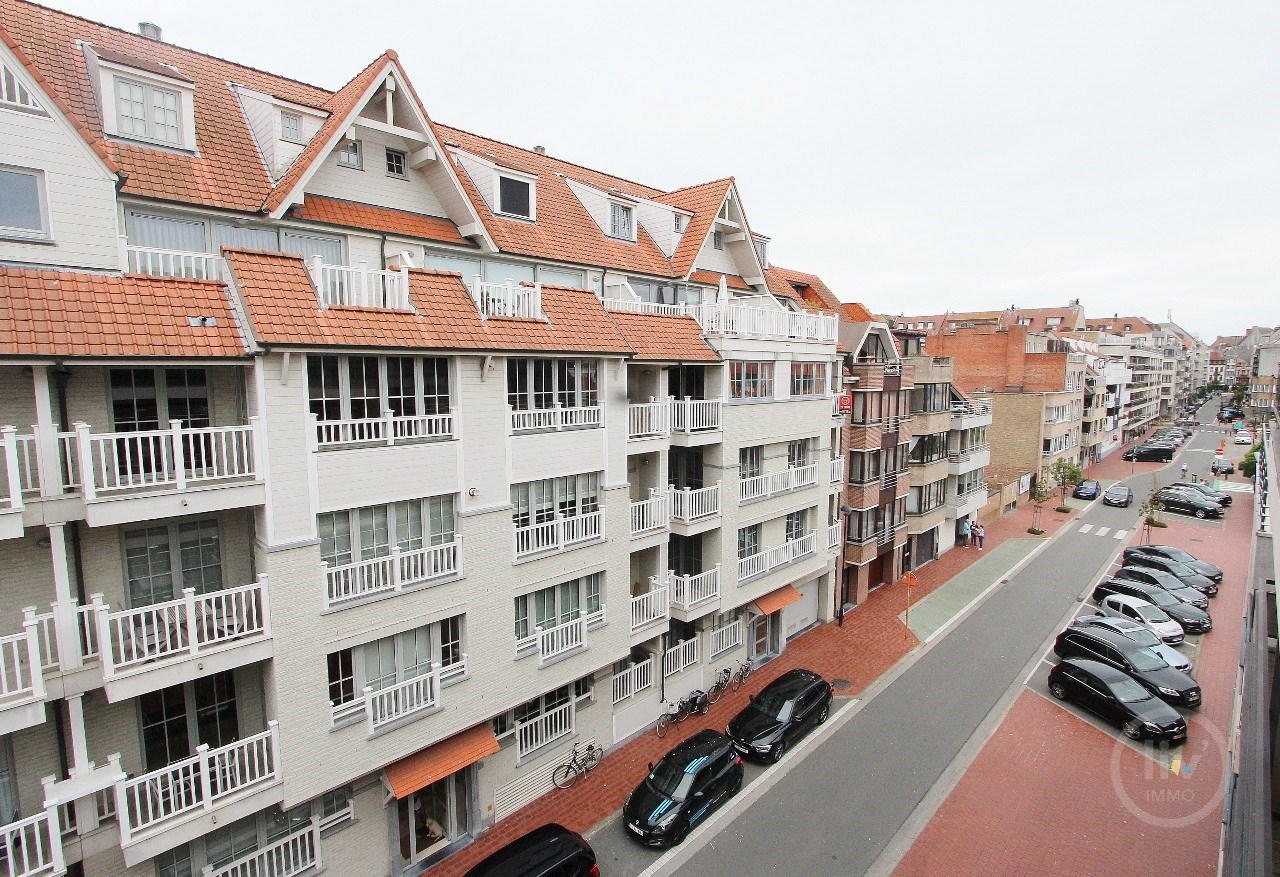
x: 431, y: 818
x: 761, y: 639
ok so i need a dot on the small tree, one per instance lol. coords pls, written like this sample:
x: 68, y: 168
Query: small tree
x: 1149, y: 511
x: 1039, y: 493
x: 1067, y: 473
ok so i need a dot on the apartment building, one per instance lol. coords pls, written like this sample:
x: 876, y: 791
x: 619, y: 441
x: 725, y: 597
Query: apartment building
x: 1264, y: 375
x: 355, y: 467
x: 1139, y: 345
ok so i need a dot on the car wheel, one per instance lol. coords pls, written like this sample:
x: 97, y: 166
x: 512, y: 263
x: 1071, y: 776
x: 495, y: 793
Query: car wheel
x: 1132, y: 729
x: 1058, y: 690
x: 737, y: 785
x: 826, y: 712
x: 1201, y: 513
x: 778, y: 751
x: 679, y: 838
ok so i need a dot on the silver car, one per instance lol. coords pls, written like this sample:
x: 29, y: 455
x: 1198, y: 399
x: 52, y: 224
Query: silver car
x: 1140, y: 635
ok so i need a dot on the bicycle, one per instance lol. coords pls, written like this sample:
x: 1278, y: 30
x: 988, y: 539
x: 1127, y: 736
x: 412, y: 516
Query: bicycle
x: 740, y: 676
x: 567, y: 774
x: 675, y: 713
x: 716, y: 691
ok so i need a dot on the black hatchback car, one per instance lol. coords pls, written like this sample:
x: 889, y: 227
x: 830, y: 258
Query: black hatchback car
x: 684, y: 787
x: 1188, y: 502
x: 1193, y: 618
x: 1087, y: 489
x: 1149, y: 453
x: 1167, y: 581
x: 1210, y: 571
x: 1183, y: 573
x: 1139, y: 662
x: 1118, y: 495
x: 1113, y: 696
x: 1219, y: 496
x: 788, y: 708
x: 551, y: 849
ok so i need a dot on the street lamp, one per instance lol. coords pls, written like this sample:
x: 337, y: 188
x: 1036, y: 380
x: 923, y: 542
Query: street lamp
x: 847, y: 511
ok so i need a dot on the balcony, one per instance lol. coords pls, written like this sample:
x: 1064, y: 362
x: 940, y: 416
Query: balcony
x: 725, y: 638
x: 32, y: 846
x: 650, y: 515
x: 837, y: 470
x: 289, y: 856
x: 692, y: 592
x: 553, y: 643
x: 510, y: 299
x: 787, y: 553
x: 689, y: 416
x: 764, y: 486
x: 835, y: 534
x: 690, y: 505
x: 633, y: 680
x: 555, y: 419
x: 971, y: 414
x: 159, y: 262
x: 153, y: 647
x: 968, y: 501
x: 385, y: 709
x: 967, y: 459
x: 359, y: 286
x: 386, y: 430
x: 680, y: 657
x: 559, y: 534
x: 544, y: 729
x: 651, y: 607
x: 353, y: 583
x: 649, y: 420
x: 727, y: 318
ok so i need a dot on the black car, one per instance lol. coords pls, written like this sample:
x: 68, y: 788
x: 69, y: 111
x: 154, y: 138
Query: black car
x: 1221, y: 497
x: 1087, y: 489
x: 1185, y: 574
x: 1188, y: 502
x: 1118, y: 495
x: 1166, y: 581
x: 551, y: 849
x: 1210, y: 571
x: 682, y: 789
x: 1193, y: 618
x: 1149, y: 453
x: 788, y: 708
x: 1139, y: 662
x: 1222, y: 467
x: 1113, y: 696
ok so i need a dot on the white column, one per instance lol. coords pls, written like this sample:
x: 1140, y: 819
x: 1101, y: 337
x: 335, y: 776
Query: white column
x: 87, y: 806
x: 65, y: 620
x: 48, y: 454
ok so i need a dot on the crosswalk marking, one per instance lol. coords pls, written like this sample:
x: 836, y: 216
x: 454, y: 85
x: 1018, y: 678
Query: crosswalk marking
x: 1102, y: 531
x: 1120, y: 534
x: 1233, y: 486
x: 1086, y: 528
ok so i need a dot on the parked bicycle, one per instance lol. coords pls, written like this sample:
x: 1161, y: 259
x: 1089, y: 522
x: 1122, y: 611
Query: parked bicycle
x: 741, y: 674
x: 675, y: 714
x: 716, y: 691
x: 567, y: 774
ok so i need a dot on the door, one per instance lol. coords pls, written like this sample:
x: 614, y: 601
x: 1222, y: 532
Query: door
x: 759, y: 636
x: 686, y: 468
x: 433, y: 817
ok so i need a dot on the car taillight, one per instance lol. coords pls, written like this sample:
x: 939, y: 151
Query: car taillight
x: 737, y: 759
x: 594, y: 872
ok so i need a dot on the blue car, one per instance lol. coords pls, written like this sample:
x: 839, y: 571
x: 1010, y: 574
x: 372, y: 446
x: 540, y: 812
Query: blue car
x: 1087, y: 490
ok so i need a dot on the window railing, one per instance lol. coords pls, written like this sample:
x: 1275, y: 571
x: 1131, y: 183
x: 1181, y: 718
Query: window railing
x: 545, y: 419
x: 963, y: 455
x: 545, y: 728
x: 763, y: 486
x: 772, y: 558
x: 680, y: 657
x: 559, y: 534
x: 81, y: 630
x: 726, y: 318
x: 633, y: 680
x: 159, y: 262
x: 650, y: 607
x: 834, y: 532
x: 974, y: 408
x: 388, y: 429
x: 696, y: 415
x: 650, y: 515
x: 200, y: 782
x: 509, y: 299
x: 649, y: 420
x: 32, y: 846
x: 20, y: 676
x: 287, y: 857
x: 165, y: 459
x: 552, y: 642
x: 691, y: 504
x: 395, y: 703
x: 392, y: 573
x: 725, y: 638
x: 691, y: 591
x: 359, y: 286
x: 635, y: 306
x: 837, y: 470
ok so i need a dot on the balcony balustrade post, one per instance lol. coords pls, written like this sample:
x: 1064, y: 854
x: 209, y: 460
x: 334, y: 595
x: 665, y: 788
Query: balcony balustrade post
x: 189, y: 609
x: 257, y: 443
x: 365, y: 298
x: 388, y: 427
x: 274, y: 727
x: 31, y: 628
x: 179, y: 454
x: 106, y: 653
x: 9, y: 441
x: 264, y: 604
x: 206, y: 776
x: 84, y: 450
x: 397, y: 583
x: 367, y: 691
x: 317, y: 277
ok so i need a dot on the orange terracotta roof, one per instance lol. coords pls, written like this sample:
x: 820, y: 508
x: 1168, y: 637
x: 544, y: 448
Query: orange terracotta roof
x: 658, y: 338
x: 807, y: 289
x: 447, y: 757
x: 857, y: 313
x: 67, y: 314
x: 775, y: 600
x: 334, y: 211
x: 712, y: 278
x: 281, y: 305
x: 704, y: 202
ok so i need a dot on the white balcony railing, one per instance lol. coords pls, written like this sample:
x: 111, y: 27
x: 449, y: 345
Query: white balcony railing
x: 696, y: 415
x: 547, y: 419
x: 763, y: 486
x: 386, y: 430
x: 772, y: 558
x: 680, y: 657
x: 726, y: 318
x: 509, y: 299
x: 165, y: 459
x: 650, y: 607
x: 32, y: 846
x: 359, y: 286
x: 545, y: 728
x: 559, y: 534
x: 633, y: 680
x: 132, y: 638
x: 836, y: 473
x: 689, y: 505
x: 691, y: 591
x: 200, y: 782
x: 159, y: 262
x: 649, y: 420
x: 20, y: 663
x: 650, y: 515
x: 834, y: 533
x: 551, y: 642
x: 395, y: 703
x: 289, y: 856
x: 11, y: 481
x: 392, y: 573
x: 725, y: 638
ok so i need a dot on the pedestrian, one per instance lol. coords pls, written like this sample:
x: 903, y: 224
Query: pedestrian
x: 964, y: 532
x: 1184, y: 470
x: 980, y: 534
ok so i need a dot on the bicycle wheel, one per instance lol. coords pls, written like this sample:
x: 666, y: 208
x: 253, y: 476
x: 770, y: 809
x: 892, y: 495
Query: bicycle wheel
x: 716, y: 692
x: 565, y: 775
x: 664, y: 722
x: 592, y: 758
x: 682, y: 710
x: 737, y: 679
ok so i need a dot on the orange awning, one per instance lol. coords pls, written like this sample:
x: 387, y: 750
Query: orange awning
x: 775, y: 600
x: 421, y: 769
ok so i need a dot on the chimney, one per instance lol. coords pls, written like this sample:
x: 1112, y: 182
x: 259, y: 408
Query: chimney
x: 150, y: 30
x: 541, y: 150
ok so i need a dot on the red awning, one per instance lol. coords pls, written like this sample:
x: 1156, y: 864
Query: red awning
x: 775, y: 600
x: 421, y: 769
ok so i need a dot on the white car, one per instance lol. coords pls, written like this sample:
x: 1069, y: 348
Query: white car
x: 1150, y: 616
x: 1140, y: 635
x: 1243, y: 438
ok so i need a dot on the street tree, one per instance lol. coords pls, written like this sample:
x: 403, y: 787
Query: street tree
x: 1067, y: 474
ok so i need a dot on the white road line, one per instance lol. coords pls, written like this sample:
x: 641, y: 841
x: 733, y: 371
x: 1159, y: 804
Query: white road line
x: 1120, y: 534
x: 1085, y: 528
x: 1102, y: 531
x: 1036, y: 669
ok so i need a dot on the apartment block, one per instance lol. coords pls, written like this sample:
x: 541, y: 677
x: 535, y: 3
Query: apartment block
x: 353, y: 467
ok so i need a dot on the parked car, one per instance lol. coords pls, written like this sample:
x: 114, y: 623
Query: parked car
x: 788, y: 708
x: 1149, y: 453
x: 1188, y: 502
x: 1172, y: 437
x: 690, y: 782
x: 1111, y: 695
x: 1210, y: 571
x: 1139, y: 662
x: 1243, y: 438
x: 1222, y: 466
x: 1087, y: 489
x: 1140, y: 635
x: 1219, y: 496
x: 1193, y: 619
x: 1165, y: 581
x: 1185, y: 574
x: 1147, y: 614
x: 551, y: 849
x: 1118, y: 495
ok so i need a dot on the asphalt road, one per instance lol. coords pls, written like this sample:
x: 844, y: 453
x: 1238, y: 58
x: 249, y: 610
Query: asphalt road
x: 836, y: 810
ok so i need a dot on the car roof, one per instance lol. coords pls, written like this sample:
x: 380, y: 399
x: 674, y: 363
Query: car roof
x: 1109, y: 637
x: 793, y: 680
x: 705, y: 742
x: 1141, y: 587
x: 1116, y: 624
x: 1118, y: 487
x: 542, y: 846
x: 1104, y: 672
x: 1127, y: 600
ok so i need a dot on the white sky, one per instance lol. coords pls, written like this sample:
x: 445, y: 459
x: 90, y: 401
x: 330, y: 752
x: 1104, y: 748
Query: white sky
x: 919, y: 155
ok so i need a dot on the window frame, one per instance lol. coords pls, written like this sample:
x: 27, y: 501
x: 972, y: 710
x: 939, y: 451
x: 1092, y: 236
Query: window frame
x: 552, y: 382
x: 44, y: 234
x: 394, y: 156
x: 717, y: 240
x: 439, y: 509
x: 565, y: 496
x: 575, y: 598
x: 423, y: 402
x: 150, y: 90
x: 750, y: 380
x: 296, y: 136
x: 625, y: 230
x: 809, y: 378
x: 344, y: 153
x: 501, y: 209
x: 355, y: 668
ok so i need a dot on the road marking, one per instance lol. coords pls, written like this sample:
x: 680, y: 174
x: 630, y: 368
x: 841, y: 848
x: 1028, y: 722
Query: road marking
x: 1120, y: 534
x: 1233, y: 486
x: 1036, y: 669
x: 1102, y: 531
x: 1085, y: 528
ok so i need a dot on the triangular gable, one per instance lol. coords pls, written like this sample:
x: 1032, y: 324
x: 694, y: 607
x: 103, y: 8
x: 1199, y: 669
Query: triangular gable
x: 705, y: 202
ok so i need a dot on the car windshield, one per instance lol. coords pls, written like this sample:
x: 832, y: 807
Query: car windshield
x: 1128, y: 691
x: 1143, y: 658
x: 775, y: 704
x: 1177, y: 554
x: 1161, y: 598
x: 1152, y: 614
x: 1142, y: 636
x: 1181, y: 570
x: 671, y: 778
x: 1117, y: 491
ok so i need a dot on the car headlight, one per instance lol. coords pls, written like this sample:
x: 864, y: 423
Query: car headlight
x: 668, y: 820
x: 762, y: 747
x: 1172, y: 692
x: 1152, y: 726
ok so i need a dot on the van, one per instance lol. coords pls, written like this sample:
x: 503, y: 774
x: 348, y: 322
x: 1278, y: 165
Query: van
x: 549, y: 851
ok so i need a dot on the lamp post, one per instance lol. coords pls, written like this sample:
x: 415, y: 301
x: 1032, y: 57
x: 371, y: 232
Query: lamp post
x: 847, y: 511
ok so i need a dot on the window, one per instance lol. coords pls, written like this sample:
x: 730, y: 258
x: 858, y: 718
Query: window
x: 750, y: 461
x: 335, y: 807
x: 620, y: 221
x: 717, y: 240
x: 798, y: 453
x: 396, y: 164
x: 515, y: 197
x: 504, y: 726
x: 748, y: 541
x: 291, y: 127
x: 864, y: 466
x: 808, y: 378
x: 928, y: 398
x: 556, y: 605
x: 147, y: 112
x: 351, y: 155
x: 928, y: 448
x: 796, y: 525
x: 175, y: 720
x: 22, y: 204
x: 534, y: 384
x: 537, y: 502
x: 390, y: 661
x: 926, y: 497
x: 162, y: 560
x: 678, y: 225
x: 762, y: 250
x: 361, y: 387
x: 371, y: 532
x: 750, y: 380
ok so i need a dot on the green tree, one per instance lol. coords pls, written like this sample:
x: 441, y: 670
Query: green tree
x: 1067, y: 474
x: 1149, y: 511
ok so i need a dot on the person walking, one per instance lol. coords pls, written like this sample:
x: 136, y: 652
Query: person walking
x: 964, y: 532
x: 979, y: 534
x: 1184, y: 470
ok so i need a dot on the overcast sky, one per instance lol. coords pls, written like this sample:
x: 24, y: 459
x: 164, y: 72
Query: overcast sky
x: 919, y: 156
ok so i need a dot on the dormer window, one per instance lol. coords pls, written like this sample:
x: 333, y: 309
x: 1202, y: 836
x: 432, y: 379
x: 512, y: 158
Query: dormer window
x: 679, y: 223
x: 762, y: 250
x: 620, y: 222
x: 396, y: 164
x: 351, y: 155
x: 515, y: 197
x: 147, y: 112
x: 717, y: 240
x: 291, y: 128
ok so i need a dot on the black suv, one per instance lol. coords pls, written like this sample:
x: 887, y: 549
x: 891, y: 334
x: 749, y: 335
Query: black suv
x: 788, y: 708
x: 1219, y: 496
x: 551, y: 849
x: 1192, y: 618
x: 1167, y: 581
x: 1149, y: 453
x: 1222, y: 467
x: 685, y: 786
x: 1112, y: 695
x: 1139, y: 662
x: 1187, y: 501
x: 1185, y: 574
x: 1208, y: 570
